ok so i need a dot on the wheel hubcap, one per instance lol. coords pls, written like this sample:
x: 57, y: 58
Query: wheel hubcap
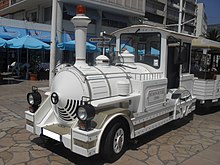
x: 118, y: 140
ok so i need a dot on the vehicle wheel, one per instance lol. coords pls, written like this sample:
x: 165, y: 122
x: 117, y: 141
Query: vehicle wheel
x: 190, y: 116
x: 114, y: 142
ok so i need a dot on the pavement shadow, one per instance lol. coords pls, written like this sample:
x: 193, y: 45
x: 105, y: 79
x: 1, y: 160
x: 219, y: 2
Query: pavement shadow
x: 206, y: 110
x: 156, y: 133
x: 10, y: 82
x: 59, y: 149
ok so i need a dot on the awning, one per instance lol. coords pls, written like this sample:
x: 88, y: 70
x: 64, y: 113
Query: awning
x: 11, y: 32
x: 2, y: 42
x: 205, y: 43
x: 7, y: 32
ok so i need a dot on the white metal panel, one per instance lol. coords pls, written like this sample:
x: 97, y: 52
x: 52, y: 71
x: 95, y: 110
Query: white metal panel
x: 114, y: 100
x: 99, y: 88
x: 67, y: 140
x: 29, y: 116
x: 85, y: 136
x: 204, y: 89
x: 30, y: 128
x: 83, y: 151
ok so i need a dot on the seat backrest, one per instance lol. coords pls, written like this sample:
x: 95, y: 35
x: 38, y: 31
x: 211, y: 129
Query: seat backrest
x: 13, y: 63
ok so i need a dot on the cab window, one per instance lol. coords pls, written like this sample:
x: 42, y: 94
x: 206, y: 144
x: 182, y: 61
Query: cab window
x: 145, y: 46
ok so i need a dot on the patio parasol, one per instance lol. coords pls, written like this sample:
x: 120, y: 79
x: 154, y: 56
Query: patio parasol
x: 2, y: 42
x: 70, y: 45
x: 27, y: 42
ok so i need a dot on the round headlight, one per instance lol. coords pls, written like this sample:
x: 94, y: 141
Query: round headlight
x: 30, y: 99
x: 82, y: 114
x: 86, y: 112
x: 34, y: 98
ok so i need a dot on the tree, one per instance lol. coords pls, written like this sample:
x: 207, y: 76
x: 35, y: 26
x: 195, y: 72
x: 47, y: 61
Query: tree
x: 213, y: 34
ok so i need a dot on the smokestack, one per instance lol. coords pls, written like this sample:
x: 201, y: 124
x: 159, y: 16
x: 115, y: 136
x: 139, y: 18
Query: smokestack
x: 80, y: 22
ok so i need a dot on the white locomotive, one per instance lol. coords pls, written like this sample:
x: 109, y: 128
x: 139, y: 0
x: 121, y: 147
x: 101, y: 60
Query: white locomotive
x: 97, y: 109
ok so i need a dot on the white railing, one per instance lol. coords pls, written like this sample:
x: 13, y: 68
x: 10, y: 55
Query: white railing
x: 146, y: 76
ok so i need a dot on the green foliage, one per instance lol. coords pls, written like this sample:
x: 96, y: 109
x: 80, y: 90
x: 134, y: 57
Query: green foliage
x: 213, y: 34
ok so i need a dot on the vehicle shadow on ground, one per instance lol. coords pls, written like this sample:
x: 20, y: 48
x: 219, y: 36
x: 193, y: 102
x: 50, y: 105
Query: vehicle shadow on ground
x: 156, y: 133
x: 201, y: 110
x: 59, y: 149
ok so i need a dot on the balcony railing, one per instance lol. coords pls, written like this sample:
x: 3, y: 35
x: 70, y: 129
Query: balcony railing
x: 15, y: 1
x: 173, y: 16
x: 151, y: 10
x: 191, y: 1
x: 131, y: 6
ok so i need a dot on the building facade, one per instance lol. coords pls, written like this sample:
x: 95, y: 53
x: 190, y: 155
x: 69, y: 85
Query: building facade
x: 33, y: 17
x: 126, y: 12
x: 166, y: 12
x: 201, y: 22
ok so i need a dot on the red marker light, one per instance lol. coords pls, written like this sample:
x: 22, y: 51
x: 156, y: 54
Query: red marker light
x: 80, y: 9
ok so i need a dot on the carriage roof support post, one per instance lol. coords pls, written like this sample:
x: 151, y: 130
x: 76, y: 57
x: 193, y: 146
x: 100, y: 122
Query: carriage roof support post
x: 60, y: 37
x: 53, y: 41
x: 180, y: 17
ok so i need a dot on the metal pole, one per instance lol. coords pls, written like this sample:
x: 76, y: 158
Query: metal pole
x: 53, y: 41
x: 59, y: 53
x: 180, y: 16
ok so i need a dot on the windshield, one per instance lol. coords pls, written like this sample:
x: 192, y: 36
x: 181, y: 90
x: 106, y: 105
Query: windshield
x: 145, y: 46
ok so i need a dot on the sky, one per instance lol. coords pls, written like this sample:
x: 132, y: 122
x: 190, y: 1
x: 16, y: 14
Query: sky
x: 212, y: 9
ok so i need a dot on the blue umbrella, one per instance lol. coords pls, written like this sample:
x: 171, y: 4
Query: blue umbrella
x: 128, y: 48
x: 27, y: 42
x: 70, y: 45
x: 2, y: 42
x: 154, y: 51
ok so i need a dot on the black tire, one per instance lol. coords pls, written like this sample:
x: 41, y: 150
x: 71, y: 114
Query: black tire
x: 190, y: 116
x: 114, y: 142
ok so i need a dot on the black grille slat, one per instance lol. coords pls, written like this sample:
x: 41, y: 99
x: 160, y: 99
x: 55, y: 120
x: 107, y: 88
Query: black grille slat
x: 70, y: 105
x: 67, y: 104
x: 64, y: 116
x: 72, y: 110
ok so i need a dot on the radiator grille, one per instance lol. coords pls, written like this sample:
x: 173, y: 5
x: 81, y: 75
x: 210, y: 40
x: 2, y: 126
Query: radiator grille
x: 68, y: 113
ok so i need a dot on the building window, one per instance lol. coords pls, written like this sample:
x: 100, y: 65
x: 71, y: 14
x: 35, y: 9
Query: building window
x: 47, y: 13
x: 32, y: 16
x: 15, y: 1
x: 112, y: 20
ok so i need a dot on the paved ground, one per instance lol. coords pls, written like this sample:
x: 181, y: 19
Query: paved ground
x: 184, y: 142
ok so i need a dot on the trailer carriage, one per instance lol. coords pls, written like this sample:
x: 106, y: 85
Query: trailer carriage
x: 206, y: 70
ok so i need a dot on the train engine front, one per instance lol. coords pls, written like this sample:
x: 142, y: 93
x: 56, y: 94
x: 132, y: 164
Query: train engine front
x: 76, y: 94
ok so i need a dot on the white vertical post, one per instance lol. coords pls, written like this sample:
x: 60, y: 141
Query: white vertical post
x: 59, y: 53
x: 53, y: 41
x: 180, y: 17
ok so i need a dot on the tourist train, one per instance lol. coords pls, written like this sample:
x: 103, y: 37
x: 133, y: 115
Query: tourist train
x: 142, y: 83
